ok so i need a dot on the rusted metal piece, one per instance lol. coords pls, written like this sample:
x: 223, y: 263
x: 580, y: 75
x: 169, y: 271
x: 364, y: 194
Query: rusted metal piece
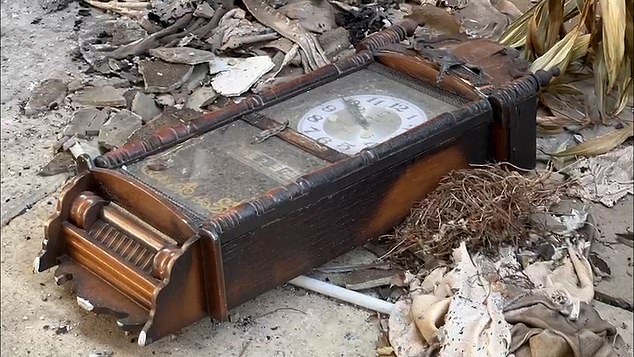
x: 503, y: 65
x: 292, y: 30
x: 321, y: 151
x: 423, y: 69
x: 158, y: 265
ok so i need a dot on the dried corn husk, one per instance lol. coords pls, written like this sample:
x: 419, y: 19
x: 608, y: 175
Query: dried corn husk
x: 551, y: 125
x: 558, y: 56
x: 599, y: 145
x: 600, y: 83
x: 601, y: 39
x: 561, y: 53
x: 614, y: 18
x: 515, y: 34
x: 625, y: 96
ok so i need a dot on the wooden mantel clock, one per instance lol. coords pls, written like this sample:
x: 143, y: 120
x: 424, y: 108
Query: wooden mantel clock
x: 201, y: 217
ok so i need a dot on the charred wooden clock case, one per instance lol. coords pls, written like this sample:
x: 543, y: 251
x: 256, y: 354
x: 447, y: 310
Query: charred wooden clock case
x: 201, y: 217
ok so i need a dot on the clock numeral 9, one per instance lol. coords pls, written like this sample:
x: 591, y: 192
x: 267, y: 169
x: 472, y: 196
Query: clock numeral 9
x: 315, y: 118
x: 344, y: 146
x: 329, y: 108
x: 324, y: 140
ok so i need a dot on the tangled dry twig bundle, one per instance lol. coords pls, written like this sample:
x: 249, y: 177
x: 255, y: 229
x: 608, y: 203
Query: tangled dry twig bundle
x: 482, y: 206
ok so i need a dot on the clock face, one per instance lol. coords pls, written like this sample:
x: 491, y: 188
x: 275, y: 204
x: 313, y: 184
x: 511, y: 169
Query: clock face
x: 352, y: 123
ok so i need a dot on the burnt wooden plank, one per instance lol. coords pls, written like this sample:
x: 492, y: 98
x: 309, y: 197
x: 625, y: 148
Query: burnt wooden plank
x: 515, y: 127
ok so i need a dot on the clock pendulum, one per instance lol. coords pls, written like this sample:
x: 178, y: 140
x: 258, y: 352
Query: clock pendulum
x: 198, y: 218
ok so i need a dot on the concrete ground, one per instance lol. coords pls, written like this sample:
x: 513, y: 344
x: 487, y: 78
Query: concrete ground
x: 41, y: 319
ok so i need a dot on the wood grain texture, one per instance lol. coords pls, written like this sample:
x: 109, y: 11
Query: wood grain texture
x: 411, y: 186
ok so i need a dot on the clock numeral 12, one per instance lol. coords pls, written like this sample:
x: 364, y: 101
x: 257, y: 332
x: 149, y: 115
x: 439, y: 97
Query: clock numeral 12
x: 399, y: 107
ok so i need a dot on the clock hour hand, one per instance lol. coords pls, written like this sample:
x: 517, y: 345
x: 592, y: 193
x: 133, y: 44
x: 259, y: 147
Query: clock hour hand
x: 353, y: 109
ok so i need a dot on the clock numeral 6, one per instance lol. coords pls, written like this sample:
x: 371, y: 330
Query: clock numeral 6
x: 315, y: 118
x: 324, y: 140
x: 344, y: 146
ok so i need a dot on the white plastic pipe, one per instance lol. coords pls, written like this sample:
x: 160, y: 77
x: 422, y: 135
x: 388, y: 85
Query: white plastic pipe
x: 346, y: 295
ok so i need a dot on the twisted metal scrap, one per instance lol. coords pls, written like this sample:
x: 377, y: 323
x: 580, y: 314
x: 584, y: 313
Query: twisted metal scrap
x: 482, y: 206
x: 272, y: 18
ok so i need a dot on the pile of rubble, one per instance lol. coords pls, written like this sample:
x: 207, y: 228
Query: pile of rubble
x: 529, y: 292
x: 162, y: 62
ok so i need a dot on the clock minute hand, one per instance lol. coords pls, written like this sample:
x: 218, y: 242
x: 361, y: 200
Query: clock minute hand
x: 356, y: 113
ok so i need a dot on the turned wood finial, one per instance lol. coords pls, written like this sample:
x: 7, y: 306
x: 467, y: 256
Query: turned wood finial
x: 85, y: 209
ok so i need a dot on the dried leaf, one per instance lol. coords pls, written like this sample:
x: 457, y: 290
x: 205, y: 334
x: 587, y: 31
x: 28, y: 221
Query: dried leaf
x: 566, y: 105
x: 554, y: 21
x: 564, y: 89
x: 590, y: 19
x: 580, y: 48
x: 539, y: 32
x: 533, y: 40
x: 613, y: 13
x: 561, y: 53
x: 629, y: 29
x: 600, y: 79
x: 385, y: 351
x: 626, y: 91
x: 571, y: 10
x: 557, y: 56
x: 515, y: 34
x: 601, y: 39
x: 599, y: 145
x: 547, y: 131
x: 551, y: 125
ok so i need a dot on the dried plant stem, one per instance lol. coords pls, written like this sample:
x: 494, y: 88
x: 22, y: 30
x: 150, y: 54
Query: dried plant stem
x: 482, y: 206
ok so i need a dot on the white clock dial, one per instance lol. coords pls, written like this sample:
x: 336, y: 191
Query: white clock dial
x: 349, y: 124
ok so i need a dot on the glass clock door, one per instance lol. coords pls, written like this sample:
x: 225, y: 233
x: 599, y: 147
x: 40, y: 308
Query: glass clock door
x: 361, y: 110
